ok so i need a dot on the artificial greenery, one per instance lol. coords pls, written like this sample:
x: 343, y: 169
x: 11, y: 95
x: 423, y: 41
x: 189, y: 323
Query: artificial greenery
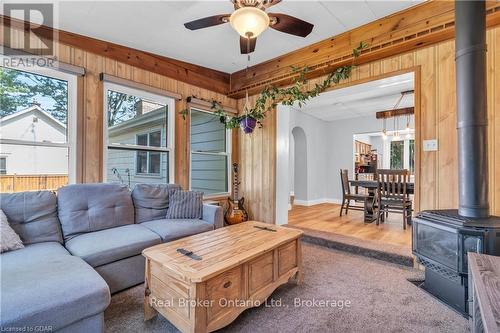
x: 295, y: 94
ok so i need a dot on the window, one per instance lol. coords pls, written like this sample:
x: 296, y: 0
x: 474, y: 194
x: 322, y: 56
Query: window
x: 149, y: 162
x: 210, y: 154
x: 3, y: 165
x: 397, y: 154
x: 412, y: 155
x: 402, y: 155
x: 37, y: 128
x: 139, y: 135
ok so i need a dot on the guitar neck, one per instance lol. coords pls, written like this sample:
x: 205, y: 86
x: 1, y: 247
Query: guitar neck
x: 235, y: 183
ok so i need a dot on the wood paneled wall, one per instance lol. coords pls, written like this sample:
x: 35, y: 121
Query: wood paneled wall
x: 438, y: 175
x: 91, y: 113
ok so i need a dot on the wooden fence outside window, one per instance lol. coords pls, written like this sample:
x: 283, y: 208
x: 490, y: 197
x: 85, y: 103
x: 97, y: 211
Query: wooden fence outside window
x: 20, y: 183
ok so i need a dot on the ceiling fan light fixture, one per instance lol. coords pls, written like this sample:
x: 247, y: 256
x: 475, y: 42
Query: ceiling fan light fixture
x: 249, y: 21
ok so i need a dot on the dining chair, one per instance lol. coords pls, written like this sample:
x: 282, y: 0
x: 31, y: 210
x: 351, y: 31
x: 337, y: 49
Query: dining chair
x: 347, y: 196
x: 392, y: 194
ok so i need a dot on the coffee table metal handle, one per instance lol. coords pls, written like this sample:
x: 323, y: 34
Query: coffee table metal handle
x: 227, y: 284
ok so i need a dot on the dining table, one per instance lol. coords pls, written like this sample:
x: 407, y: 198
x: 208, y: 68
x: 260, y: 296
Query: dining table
x: 371, y: 186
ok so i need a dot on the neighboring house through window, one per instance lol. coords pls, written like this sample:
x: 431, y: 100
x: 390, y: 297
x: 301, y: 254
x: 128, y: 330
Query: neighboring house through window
x: 37, y: 128
x: 149, y: 162
x: 210, y: 154
x: 139, y: 133
x: 3, y: 165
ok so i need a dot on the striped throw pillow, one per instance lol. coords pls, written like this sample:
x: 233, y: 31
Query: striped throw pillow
x: 185, y: 205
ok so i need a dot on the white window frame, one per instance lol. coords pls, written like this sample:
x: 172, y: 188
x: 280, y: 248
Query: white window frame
x: 170, y: 137
x: 227, y: 153
x: 147, y: 174
x: 71, y: 126
x: 4, y: 158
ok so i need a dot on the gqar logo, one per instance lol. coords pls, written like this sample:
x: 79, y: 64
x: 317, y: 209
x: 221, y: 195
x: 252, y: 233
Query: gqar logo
x: 29, y: 17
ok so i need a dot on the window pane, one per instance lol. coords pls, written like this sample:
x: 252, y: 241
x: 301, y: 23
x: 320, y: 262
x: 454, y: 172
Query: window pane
x: 142, y: 162
x: 397, y: 154
x: 130, y: 115
x: 155, y: 139
x: 208, y: 173
x: 120, y: 167
x: 154, y: 163
x: 33, y: 107
x: 3, y: 165
x: 142, y: 140
x: 30, y: 168
x: 412, y: 156
x: 207, y: 132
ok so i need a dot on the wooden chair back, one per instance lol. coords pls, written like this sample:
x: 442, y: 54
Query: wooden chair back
x: 392, y: 183
x: 344, y: 177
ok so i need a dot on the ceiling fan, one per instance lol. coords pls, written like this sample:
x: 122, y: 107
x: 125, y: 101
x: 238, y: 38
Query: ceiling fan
x: 250, y: 19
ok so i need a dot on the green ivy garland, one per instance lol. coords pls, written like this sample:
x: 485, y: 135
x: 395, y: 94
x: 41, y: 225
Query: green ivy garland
x: 271, y: 96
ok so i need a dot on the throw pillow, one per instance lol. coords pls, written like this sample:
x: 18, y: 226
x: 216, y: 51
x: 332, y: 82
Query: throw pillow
x: 185, y: 205
x: 9, y: 240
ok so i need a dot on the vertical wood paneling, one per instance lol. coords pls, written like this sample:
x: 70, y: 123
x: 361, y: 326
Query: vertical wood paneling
x: 494, y: 107
x: 426, y: 60
x: 93, y: 120
x: 447, y: 163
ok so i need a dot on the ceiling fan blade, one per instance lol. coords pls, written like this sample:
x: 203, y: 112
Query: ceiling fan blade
x: 244, y: 45
x: 290, y: 25
x: 207, y: 22
x: 270, y: 3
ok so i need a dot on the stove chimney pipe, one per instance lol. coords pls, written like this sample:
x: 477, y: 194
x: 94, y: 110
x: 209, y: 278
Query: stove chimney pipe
x: 470, y: 61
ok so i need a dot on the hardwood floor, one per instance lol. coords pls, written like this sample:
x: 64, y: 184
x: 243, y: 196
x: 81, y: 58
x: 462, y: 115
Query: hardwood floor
x: 325, y: 218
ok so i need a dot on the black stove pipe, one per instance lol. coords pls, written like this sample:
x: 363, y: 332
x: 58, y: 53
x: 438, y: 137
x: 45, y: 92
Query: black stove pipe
x: 470, y: 58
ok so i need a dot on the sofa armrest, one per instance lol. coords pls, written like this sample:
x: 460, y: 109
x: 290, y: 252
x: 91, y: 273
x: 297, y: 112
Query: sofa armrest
x: 213, y: 214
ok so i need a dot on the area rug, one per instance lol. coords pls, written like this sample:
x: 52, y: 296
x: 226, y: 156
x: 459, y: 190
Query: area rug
x: 342, y: 292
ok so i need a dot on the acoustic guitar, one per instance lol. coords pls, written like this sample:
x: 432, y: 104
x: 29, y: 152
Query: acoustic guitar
x: 235, y: 213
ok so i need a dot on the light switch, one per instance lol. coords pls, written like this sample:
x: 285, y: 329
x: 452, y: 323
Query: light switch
x: 431, y: 145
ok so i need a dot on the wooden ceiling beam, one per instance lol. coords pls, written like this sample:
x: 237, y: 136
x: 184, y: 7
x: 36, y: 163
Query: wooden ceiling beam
x: 417, y: 27
x: 193, y: 74
x: 395, y: 113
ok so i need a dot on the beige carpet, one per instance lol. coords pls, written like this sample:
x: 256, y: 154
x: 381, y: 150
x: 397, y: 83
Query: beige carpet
x: 382, y: 300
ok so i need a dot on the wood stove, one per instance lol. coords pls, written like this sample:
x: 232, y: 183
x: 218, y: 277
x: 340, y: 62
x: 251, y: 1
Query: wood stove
x: 442, y: 238
x: 441, y: 241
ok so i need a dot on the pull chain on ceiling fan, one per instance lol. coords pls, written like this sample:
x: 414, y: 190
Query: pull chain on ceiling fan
x: 250, y: 19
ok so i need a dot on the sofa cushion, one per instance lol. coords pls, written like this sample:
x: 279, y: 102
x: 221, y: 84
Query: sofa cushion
x: 185, y: 205
x: 151, y: 200
x: 32, y: 215
x: 110, y: 245
x: 170, y: 230
x: 92, y: 207
x: 9, y: 240
x: 43, y: 285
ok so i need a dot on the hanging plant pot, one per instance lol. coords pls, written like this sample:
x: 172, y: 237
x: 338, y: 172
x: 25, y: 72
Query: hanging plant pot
x: 248, y: 124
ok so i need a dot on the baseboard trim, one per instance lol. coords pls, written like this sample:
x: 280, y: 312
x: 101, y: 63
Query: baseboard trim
x: 316, y: 202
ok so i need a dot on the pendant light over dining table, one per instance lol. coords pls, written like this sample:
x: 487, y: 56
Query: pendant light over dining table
x: 396, y: 113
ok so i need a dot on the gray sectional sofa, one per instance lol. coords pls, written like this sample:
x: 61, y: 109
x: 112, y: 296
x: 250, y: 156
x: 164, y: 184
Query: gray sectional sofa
x: 80, y: 246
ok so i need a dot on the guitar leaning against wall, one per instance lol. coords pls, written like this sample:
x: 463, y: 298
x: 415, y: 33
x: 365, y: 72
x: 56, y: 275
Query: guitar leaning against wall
x: 235, y: 213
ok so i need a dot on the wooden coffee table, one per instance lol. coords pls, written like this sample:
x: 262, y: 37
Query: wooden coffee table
x: 230, y: 269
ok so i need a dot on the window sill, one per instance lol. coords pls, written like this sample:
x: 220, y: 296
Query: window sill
x: 147, y: 175
x: 217, y: 197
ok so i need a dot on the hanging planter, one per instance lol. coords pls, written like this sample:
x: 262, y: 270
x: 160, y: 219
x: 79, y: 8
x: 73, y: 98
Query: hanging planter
x: 248, y: 124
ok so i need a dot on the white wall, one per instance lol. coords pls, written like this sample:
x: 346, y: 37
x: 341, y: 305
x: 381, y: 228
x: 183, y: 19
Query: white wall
x: 315, y: 131
x: 340, y: 151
